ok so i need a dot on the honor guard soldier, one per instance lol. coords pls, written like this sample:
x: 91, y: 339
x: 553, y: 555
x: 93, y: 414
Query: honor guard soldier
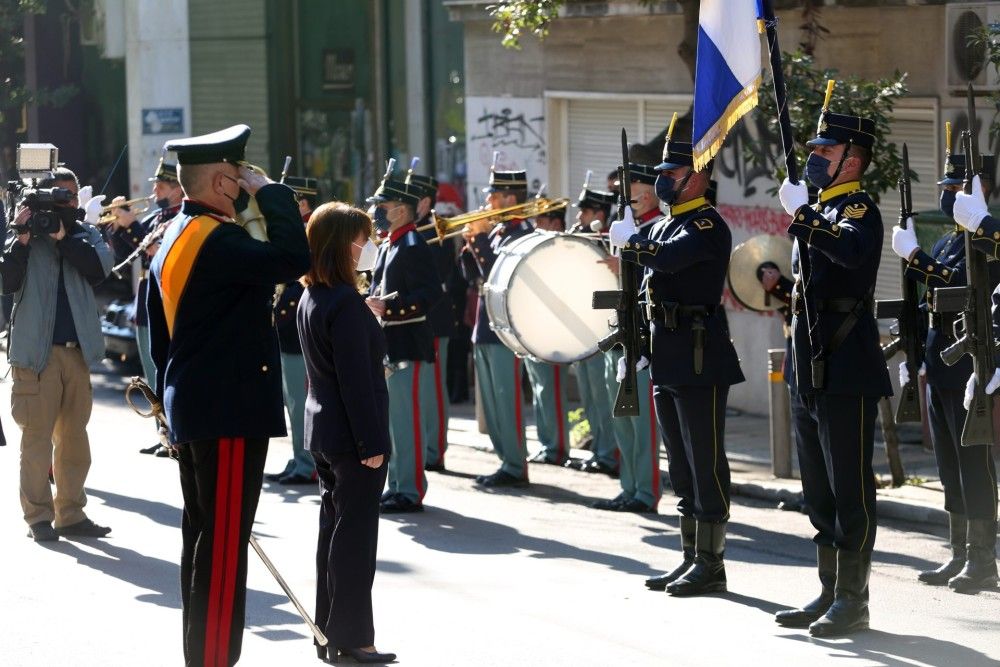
x: 839, y: 369
x: 594, y: 210
x: 693, y: 364
x: 638, y: 437
x: 216, y: 358
x: 301, y: 468
x: 497, y: 369
x: 405, y: 267
x: 434, y: 394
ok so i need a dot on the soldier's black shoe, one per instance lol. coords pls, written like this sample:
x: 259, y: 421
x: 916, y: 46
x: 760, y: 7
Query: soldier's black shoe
x: 637, y: 506
x: 501, y: 478
x: 42, y: 531
x: 85, y: 528
x: 151, y: 449
x: 708, y: 573
x: 595, y: 466
x: 612, y: 505
x: 162, y: 453
x: 826, y: 563
x: 434, y: 467
x: 980, y: 571
x: 297, y: 479
x: 958, y: 531
x: 543, y: 457
x: 397, y: 503
x: 688, y: 530
x: 849, y: 612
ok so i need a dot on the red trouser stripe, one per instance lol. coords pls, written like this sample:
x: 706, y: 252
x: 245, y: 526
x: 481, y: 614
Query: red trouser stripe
x: 418, y: 440
x: 439, y: 392
x: 517, y: 407
x: 225, y: 551
x: 560, y: 420
x: 654, y: 449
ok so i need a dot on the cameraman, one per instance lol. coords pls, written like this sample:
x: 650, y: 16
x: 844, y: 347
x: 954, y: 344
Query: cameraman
x: 55, y: 335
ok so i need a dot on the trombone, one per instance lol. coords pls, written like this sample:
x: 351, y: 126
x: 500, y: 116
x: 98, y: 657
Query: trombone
x: 108, y: 213
x: 447, y: 228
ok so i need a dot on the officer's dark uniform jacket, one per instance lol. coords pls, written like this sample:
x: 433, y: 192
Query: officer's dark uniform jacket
x: 986, y: 239
x: 212, y: 341
x: 477, y: 263
x: 125, y: 241
x: 686, y: 258
x: 405, y: 265
x: 286, y: 300
x: 347, y: 405
x: 442, y: 315
x: 844, y: 233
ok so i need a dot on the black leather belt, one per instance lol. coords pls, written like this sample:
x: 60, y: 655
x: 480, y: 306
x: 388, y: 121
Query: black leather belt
x: 670, y: 313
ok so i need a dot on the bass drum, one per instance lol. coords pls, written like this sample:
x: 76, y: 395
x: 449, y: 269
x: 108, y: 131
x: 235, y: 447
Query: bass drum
x: 539, y: 296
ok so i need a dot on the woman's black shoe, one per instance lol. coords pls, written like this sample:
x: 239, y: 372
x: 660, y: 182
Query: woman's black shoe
x: 360, y: 655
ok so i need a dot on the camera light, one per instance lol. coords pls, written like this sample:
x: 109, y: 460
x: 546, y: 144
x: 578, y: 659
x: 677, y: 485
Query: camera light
x: 35, y: 159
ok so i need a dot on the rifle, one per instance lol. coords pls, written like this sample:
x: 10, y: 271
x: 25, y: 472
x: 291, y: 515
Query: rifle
x: 629, y: 331
x: 906, y: 331
x: 973, y: 329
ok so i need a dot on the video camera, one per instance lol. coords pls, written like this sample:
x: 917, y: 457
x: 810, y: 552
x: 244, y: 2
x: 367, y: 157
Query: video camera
x: 49, y: 206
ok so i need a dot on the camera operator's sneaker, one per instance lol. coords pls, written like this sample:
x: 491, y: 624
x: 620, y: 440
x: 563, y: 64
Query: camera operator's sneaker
x: 41, y: 531
x: 85, y: 528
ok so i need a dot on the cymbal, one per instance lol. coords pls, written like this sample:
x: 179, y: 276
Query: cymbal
x: 743, y: 264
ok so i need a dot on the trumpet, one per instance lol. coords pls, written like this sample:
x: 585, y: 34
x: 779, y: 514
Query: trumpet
x: 447, y: 228
x: 109, y: 212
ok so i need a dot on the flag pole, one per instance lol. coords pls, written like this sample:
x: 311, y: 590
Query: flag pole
x: 780, y: 94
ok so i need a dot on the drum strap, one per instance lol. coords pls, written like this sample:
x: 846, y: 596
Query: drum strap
x: 422, y: 318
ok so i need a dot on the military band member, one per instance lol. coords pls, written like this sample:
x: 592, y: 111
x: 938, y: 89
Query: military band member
x: 839, y: 370
x: 405, y: 266
x: 594, y: 209
x: 434, y: 394
x: 686, y: 259
x: 216, y: 358
x: 301, y: 468
x: 638, y: 437
x: 498, y: 371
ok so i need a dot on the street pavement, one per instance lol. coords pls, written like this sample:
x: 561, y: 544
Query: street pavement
x: 525, y: 577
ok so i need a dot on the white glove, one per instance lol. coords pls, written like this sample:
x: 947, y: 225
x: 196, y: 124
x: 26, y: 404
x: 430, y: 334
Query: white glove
x: 970, y: 389
x: 904, y: 241
x: 639, y: 365
x: 992, y: 385
x: 84, y: 195
x: 904, y: 374
x: 622, y: 230
x: 971, y: 209
x: 793, y: 196
x: 93, y: 209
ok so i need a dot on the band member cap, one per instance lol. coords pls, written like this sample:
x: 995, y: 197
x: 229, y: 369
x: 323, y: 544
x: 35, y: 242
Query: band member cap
x: 303, y: 185
x: 165, y: 172
x: 228, y: 145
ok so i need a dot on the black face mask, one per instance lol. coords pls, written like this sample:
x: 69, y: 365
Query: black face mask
x: 242, y: 200
x: 665, y: 189
x: 948, y: 203
x: 163, y: 202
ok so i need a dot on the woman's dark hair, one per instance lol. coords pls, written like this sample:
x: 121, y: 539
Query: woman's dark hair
x: 331, y: 230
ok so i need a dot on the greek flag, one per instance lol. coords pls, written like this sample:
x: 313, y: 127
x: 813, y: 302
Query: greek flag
x: 727, y: 74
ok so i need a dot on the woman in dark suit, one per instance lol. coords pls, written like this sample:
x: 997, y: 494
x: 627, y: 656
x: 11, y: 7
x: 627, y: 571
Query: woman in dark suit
x: 346, y: 427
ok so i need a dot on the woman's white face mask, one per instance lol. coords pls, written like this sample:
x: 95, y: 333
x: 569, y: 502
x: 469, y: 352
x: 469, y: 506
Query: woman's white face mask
x: 366, y: 260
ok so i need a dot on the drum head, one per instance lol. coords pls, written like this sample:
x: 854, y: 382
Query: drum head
x: 743, y: 265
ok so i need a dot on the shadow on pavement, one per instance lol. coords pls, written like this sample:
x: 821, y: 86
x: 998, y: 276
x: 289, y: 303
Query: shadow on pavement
x: 892, y: 650
x: 161, y: 513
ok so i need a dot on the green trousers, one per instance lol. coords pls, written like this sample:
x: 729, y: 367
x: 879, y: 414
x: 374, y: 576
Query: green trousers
x: 434, y: 400
x: 548, y: 396
x: 499, y: 375
x: 592, y: 380
x: 638, y: 438
x: 293, y: 386
x: 406, y: 465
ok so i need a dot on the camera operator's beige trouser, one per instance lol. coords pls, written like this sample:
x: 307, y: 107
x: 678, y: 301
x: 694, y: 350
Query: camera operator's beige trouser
x: 53, y: 408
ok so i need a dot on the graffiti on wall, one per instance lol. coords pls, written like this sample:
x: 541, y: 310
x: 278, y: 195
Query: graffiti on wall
x: 512, y: 127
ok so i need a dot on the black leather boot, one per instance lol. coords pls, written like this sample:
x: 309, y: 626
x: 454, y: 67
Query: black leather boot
x: 849, y: 611
x: 826, y: 563
x: 958, y: 530
x: 708, y: 573
x: 980, y: 571
x: 688, y: 529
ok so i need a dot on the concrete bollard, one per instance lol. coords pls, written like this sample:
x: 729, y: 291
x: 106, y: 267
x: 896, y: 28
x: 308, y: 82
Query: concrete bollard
x: 781, y: 420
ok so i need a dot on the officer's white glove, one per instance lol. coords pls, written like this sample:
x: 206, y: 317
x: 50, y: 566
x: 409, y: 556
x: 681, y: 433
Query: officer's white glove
x: 970, y: 210
x: 970, y: 389
x: 622, y: 230
x: 904, y: 374
x: 994, y: 382
x: 639, y: 365
x: 793, y: 196
x: 84, y: 196
x: 93, y: 209
x: 904, y: 241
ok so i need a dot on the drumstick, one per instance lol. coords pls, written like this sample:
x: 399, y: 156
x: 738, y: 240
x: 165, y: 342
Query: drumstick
x: 390, y: 296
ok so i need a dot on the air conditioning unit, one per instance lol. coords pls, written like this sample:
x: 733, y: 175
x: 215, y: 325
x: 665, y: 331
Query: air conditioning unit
x: 965, y: 63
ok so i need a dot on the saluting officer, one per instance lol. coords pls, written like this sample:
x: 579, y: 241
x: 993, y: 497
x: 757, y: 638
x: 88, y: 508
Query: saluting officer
x: 434, y: 393
x: 498, y: 370
x: 686, y: 258
x: 638, y: 437
x: 594, y: 210
x: 839, y: 370
x: 301, y: 468
x: 216, y: 358
x: 405, y: 266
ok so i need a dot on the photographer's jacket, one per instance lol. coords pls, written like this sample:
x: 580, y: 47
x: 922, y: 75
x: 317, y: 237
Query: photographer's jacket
x: 209, y: 308
x: 32, y: 271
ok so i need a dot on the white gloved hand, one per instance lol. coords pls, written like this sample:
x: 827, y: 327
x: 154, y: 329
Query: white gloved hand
x: 994, y: 382
x: 904, y: 374
x: 904, y: 241
x: 622, y: 230
x: 93, y: 209
x: 923, y: 370
x: 970, y: 389
x: 793, y: 196
x: 84, y: 196
x: 639, y: 365
x: 970, y: 210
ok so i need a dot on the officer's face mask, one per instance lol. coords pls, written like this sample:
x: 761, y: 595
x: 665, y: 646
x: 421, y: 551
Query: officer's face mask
x: 369, y: 252
x: 242, y: 200
x: 948, y: 203
x: 163, y: 202
x: 818, y: 170
x: 381, y: 219
x: 665, y: 189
